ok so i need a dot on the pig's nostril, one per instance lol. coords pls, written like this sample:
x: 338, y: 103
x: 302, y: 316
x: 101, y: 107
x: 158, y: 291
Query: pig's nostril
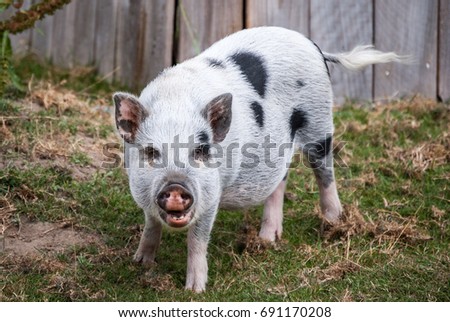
x: 161, y: 200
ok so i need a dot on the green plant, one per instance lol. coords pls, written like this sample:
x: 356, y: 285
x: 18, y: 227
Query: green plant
x: 10, y: 84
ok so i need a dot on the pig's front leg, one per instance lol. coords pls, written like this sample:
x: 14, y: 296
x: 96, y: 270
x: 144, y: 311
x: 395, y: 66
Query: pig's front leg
x: 272, y: 222
x: 197, y: 265
x: 150, y: 240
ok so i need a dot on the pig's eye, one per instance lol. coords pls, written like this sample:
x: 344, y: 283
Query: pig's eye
x: 201, y: 153
x: 151, y: 154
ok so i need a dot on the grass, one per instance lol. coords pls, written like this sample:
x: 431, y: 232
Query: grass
x: 393, y: 180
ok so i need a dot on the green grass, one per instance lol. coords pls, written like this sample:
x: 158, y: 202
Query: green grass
x: 384, y: 179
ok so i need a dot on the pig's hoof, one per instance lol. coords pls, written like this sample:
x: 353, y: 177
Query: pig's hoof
x: 196, y: 284
x: 195, y: 288
x: 144, y: 259
x: 325, y: 227
x: 269, y: 236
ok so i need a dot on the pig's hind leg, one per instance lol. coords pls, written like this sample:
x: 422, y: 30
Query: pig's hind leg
x: 320, y: 158
x: 312, y: 129
x: 272, y: 221
x: 150, y: 240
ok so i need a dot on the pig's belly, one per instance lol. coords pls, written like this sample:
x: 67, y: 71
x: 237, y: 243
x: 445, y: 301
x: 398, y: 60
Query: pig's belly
x: 247, y: 192
x: 251, y: 186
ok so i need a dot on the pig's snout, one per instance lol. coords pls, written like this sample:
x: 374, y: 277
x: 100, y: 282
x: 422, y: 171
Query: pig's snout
x: 176, y: 201
x: 175, y: 198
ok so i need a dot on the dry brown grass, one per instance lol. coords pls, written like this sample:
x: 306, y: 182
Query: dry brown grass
x: 6, y: 213
x: 49, y: 144
x: 389, y: 226
x: 418, y: 159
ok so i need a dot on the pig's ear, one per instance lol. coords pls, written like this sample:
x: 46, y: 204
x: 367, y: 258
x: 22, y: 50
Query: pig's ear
x: 218, y: 114
x: 129, y: 115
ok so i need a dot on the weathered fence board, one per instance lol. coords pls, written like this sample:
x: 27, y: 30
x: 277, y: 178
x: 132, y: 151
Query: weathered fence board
x: 144, y: 40
x: 292, y: 14
x: 202, y: 22
x: 105, y: 37
x: 408, y: 27
x: 158, y: 39
x: 126, y: 41
x: 63, y: 36
x: 340, y: 26
x: 444, y: 50
x: 41, y: 41
x: 84, y: 38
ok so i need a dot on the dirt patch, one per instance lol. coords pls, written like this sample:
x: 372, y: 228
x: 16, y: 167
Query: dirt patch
x: 33, y: 238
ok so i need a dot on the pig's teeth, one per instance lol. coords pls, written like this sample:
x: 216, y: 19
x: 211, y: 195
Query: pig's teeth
x: 178, y: 217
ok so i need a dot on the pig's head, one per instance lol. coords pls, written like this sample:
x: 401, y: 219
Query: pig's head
x: 168, y: 149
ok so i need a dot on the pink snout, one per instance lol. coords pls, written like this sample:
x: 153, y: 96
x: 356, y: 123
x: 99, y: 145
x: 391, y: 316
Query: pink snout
x: 175, y: 201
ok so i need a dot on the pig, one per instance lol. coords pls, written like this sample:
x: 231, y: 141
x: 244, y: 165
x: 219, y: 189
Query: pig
x: 218, y: 131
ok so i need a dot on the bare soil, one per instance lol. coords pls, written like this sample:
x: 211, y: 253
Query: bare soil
x: 29, y: 238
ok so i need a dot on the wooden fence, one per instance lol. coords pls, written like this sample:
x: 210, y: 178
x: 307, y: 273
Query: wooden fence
x: 131, y: 41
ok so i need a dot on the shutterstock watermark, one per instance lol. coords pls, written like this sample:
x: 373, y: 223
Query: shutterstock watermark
x: 248, y: 155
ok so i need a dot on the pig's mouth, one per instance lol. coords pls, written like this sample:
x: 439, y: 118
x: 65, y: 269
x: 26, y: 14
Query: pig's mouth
x: 178, y: 219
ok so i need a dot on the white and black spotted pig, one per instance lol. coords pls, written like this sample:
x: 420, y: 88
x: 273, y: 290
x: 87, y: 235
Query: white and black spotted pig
x: 258, y: 90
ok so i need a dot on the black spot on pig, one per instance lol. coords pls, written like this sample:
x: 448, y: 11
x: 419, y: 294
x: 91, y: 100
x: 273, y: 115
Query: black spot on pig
x: 300, y: 83
x: 258, y: 112
x: 318, y: 150
x: 126, y: 125
x: 297, y: 121
x: 285, y: 176
x: 252, y: 66
x: 203, y: 137
x: 215, y: 63
x: 316, y: 154
x: 323, y: 174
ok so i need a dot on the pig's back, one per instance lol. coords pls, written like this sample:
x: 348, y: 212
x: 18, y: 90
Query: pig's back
x: 270, y: 71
